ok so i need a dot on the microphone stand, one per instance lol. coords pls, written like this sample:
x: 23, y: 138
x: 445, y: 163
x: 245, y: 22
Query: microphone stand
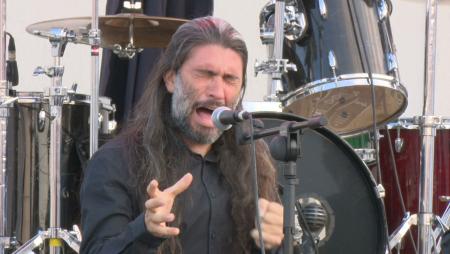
x: 287, y: 148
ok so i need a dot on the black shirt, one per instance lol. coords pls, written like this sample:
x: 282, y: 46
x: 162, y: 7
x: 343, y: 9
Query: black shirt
x: 112, y: 221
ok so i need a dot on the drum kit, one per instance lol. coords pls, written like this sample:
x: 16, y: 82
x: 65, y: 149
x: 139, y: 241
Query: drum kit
x: 330, y: 58
x: 337, y: 59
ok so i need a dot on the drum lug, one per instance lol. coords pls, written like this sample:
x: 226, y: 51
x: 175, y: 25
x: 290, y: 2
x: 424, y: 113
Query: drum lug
x: 381, y: 192
x: 323, y: 8
x: 332, y: 62
x: 444, y: 198
x: 398, y: 144
x: 41, y: 120
x: 383, y: 10
x: 392, y: 61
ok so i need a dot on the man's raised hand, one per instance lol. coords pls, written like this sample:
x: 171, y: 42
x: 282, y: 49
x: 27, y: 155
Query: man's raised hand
x: 159, y: 206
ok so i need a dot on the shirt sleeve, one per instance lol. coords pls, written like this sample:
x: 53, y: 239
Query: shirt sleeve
x: 107, y: 220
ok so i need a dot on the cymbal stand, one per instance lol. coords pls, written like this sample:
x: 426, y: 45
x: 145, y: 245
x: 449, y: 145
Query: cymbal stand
x: 5, y: 242
x: 428, y: 123
x: 94, y: 40
x: 57, y: 94
x: 276, y: 65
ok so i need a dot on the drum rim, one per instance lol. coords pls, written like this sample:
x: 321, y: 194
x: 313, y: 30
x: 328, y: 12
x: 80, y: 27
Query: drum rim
x: 407, y: 123
x: 322, y: 130
x: 327, y: 84
x: 346, y: 81
x: 382, y: 220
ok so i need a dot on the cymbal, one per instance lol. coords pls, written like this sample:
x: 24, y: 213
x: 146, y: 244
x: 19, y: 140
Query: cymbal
x: 141, y: 30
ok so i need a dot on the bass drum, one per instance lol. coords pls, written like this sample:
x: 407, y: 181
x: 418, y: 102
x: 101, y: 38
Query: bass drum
x: 332, y: 178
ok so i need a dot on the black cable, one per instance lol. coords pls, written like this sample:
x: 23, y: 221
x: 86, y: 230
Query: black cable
x: 304, y: 226
x: 255, y: 185
x: 374, y: 118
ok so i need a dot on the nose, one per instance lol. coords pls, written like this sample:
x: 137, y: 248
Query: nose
x: 216, y: 89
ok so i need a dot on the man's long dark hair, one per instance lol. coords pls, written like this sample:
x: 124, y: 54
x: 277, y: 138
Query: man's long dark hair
x: 155, y: 147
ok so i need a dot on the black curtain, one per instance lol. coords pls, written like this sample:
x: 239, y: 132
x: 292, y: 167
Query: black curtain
x: 123, y: 80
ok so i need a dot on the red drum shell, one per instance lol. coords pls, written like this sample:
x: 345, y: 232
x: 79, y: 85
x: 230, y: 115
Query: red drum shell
x: 408, y: 167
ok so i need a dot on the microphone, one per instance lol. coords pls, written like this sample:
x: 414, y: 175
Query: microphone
x: 223, y: 117
x: 12, y: 73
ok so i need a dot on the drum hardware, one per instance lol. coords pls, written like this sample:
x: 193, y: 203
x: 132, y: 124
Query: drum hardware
x: 384, y: 9
x: 94, y: 41
x: 5, y: 241
x: 57, y: 94
x: 444, y: 198
x: 289, y: 22
x: 380, y: 191
x: 347, y: 191
x: 286, y: 147
x: 132, y: 31
x: 295, y: 23
x: 323, y: 8
x: 398, y: 141
x: 443, y: 228
x: 132, y: 4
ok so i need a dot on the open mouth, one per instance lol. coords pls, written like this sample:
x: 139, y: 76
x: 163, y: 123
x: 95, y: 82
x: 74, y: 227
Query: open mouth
x: 204, y: 111
x: 204, y: 114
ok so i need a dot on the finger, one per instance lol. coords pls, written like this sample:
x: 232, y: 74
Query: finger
x: 270, y: 240
x: 263, y: 205
x: 255, y: 235
x: 272, y: 229
x: 275, y: 207
x: 158, y: 218
x: 163, y: 231
x: 181, y: 185
x: 273, y: 218
x: 152, y: 188
x: 154, y: 203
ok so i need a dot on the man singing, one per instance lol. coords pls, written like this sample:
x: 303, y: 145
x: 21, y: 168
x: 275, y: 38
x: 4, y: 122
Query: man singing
x: 171, y: 182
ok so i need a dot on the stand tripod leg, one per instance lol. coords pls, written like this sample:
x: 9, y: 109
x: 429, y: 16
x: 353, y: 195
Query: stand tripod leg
x: 70, y: 239
x: 53, y: 234
x: 397, y: 236
x: 33, y: 243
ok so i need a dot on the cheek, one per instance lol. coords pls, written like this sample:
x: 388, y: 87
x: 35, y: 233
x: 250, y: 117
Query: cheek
x: 233, y: 96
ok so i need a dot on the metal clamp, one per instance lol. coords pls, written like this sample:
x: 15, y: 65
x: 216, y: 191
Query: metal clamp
x: 94, y: 37
x: 8, y: 242
x: 127, y: 52
x: 274, y: 66
x: 55, y: 71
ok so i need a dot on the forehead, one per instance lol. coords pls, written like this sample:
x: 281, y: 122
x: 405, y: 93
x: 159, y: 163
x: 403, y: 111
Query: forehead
x: 216, y: 57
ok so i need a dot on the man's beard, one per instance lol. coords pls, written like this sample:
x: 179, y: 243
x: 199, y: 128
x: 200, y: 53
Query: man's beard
x: 183, y: 105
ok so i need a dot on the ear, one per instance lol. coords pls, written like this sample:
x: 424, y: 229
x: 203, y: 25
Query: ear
x: 169, y: 80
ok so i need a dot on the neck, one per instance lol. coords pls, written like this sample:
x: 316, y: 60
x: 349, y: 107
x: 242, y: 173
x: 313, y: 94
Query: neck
x: 201, y: 149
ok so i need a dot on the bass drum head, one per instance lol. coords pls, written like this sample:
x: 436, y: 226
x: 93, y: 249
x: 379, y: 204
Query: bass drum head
x: 330, y: 173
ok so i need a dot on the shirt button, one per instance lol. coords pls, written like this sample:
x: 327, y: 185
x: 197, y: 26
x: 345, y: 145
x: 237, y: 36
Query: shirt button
x: 213, y: 195
x: 213, y: 235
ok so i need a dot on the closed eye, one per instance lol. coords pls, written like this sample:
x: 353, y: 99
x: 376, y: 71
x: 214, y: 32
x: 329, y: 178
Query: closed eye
x: 232, y: 80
